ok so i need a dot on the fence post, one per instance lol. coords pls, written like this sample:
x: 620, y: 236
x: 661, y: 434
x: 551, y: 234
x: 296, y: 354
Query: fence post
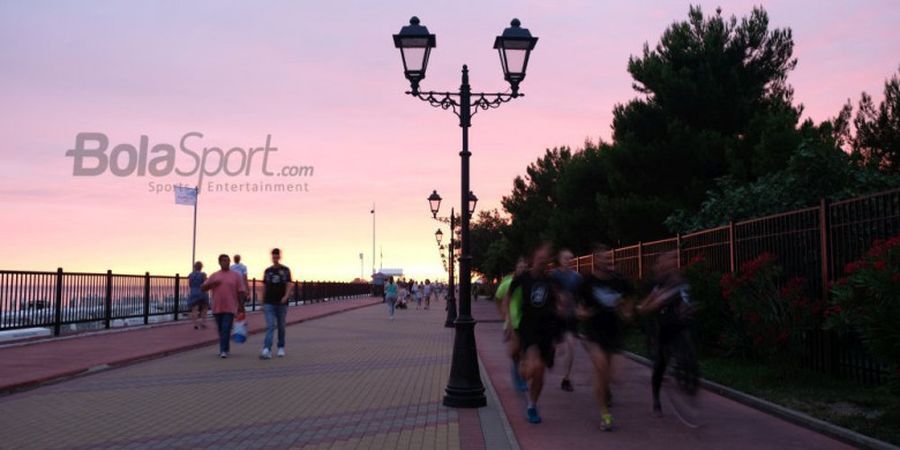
x: 678, y: 250
x: 253, y: 294
x: 640, y: 260
x: 107, y: 302
x: 731, y: 253
x: 146, y: 298
x: 177, y: 286
x: 57, y: 319
x: 824, y: 247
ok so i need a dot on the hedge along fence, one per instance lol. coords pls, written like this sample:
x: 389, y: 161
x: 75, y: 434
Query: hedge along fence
x: 814, y: 243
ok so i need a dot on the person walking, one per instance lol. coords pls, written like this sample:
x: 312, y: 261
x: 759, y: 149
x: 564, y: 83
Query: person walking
x: 278, y: 287
x: 416, y: 291
x: 603, y: 295
x: 428, y: 291
x: 198, y: 301
x: 390, y: 296
x: 228, y: 288
x: 241, y: 269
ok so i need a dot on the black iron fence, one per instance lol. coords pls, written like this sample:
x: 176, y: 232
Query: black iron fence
x: 74, y: 301
x: 814, y: 243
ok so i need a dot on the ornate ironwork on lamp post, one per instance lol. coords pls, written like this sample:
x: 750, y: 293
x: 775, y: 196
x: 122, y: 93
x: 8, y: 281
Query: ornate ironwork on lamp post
x: 464, y: 389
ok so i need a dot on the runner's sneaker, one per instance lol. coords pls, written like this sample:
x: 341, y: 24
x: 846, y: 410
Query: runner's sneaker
x: 657, y: 408
x: 223, y: 355
x: 281, y: 352
x: 566, y: 385
x: 532, y: 414
x: 266, y: 354
x: 606, y: 422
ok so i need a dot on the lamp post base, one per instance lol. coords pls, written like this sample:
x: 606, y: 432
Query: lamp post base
x: 465, y: 389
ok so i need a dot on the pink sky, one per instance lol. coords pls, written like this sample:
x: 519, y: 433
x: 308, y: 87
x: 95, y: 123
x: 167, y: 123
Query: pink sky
x: 323, y: 79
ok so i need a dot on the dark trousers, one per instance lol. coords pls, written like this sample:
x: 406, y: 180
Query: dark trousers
x: 224, y: 321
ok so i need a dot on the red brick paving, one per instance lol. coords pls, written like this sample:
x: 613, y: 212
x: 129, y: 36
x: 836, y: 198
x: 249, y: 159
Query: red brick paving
x: 34, y: 363
x: 571, y: 420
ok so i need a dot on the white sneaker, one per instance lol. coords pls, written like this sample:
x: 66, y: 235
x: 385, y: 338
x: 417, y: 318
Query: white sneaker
x: 281, y: 352
x: 223, y: 355
x: 266, y: 354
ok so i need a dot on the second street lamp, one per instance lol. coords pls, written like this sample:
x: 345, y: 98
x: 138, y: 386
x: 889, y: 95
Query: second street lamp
x: 464, y: 388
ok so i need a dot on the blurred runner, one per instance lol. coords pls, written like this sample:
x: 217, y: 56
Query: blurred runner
x: 512, y: 316
x: 670, y: 302
x: 539, y: 326
x: 603, y: 295
x: 569, y: 282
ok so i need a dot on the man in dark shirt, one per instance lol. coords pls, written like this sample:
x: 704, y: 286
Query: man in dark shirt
x: 539, y: 327
x: 278, y: 288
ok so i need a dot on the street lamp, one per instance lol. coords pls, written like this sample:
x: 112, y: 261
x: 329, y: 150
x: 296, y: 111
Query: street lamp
x: 515, y: 46
x: 473, y: 200
x: 438, y: 236
x: 415, y: 44
x: 464, y: 389
x: 434, y: 202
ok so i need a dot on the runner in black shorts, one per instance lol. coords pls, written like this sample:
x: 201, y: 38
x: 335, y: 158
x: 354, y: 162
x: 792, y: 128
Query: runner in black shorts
x: 670, y: 300
x: 539, y: 327
x: 603, y: 296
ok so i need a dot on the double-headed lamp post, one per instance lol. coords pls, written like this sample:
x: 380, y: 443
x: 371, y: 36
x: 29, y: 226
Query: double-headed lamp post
x: 464, y: 388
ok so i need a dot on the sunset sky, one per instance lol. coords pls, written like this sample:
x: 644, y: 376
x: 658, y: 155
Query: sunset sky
x: 324, y: 80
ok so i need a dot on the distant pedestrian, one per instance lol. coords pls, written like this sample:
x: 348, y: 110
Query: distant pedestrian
x: 390, y: 296
x: 198, y: 301
x: 416, y: 293
x: 228, y: 289
x: 378, y: 280
x: 241, y: 269
x: 277, y: 290
x: 428, y: 292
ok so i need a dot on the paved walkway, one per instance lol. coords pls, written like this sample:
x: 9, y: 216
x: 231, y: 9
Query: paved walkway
x: 353, y: 380
x: 571, y: 420
x: 27, y: 364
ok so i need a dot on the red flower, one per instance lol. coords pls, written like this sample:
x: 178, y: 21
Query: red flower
x: 852, y: 267
x: 895, y: 279
x: 880, y: 265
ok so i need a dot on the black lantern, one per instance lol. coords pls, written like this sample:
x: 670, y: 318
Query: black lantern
x: 515, y: 46
x: 473, y: 200
x: 415, y: 44
x: 438, y: 235
x: 434, y: 202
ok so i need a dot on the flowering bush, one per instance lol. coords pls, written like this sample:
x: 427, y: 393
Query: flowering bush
x: 867, y: 300
x: 710, y: 315
x: 768, y: 317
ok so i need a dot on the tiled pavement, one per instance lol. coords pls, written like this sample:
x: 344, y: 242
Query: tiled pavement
x: 353, y: 380
x: 571, y: 420
x: 30, y: 363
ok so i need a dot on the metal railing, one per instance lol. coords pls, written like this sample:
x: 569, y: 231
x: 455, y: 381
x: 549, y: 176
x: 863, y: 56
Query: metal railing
x: 814, y: 243
x: 75, y: 301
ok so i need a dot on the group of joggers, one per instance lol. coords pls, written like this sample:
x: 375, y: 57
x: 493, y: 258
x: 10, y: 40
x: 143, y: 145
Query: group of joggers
x: 229, y: 288
x: 397, y: 294
x: 545, y: 306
